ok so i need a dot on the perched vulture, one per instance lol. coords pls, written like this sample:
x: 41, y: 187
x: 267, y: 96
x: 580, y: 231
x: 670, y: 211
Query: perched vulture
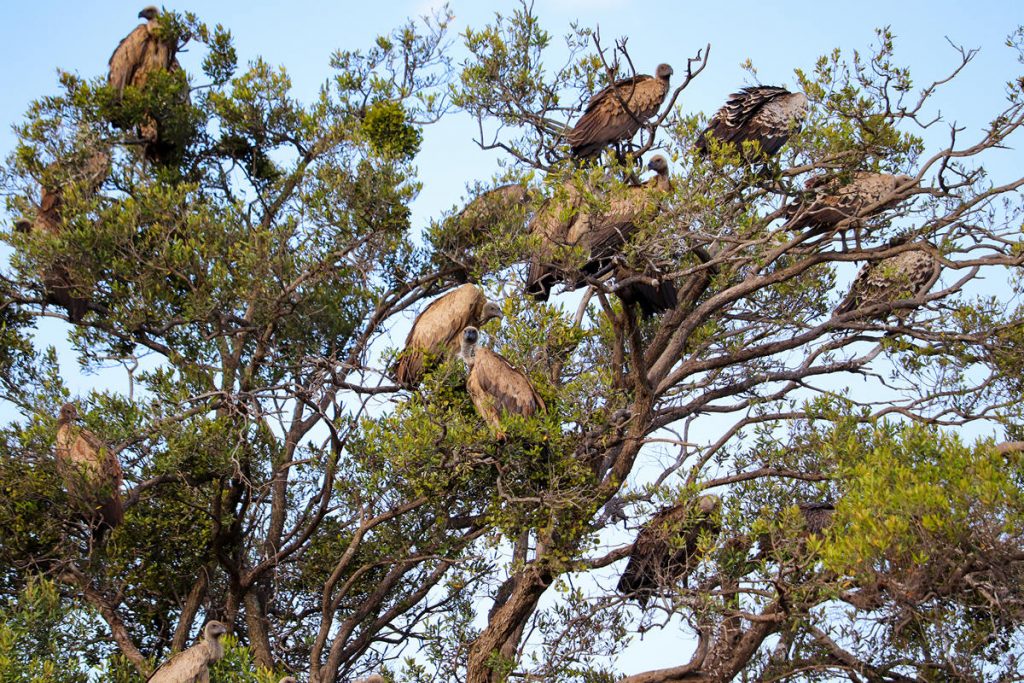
x: 666, y: 547
x: 857, y: 200
x: 617, y: 112
x: 193, y: 665
x: 438, y: 330
x: 766, y: 114
x: 288, y: 679
x: 375, y: 678
x: 91, y: 472
x: 57, y: 282
x: 907, y: 275
x: 501, y: 210
x: 817, y: 516
x: 138, y: 56
x: 494, y: 386
x: 564, y: 223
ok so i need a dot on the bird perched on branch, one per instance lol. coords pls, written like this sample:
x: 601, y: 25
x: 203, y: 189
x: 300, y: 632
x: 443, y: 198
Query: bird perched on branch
x: 616, y: 113
x: 494, y: 386
x: 907, y: 275
x: 193, y: 665
x: 91, y: 473
x: 764, y: 114
x: 835, y: 203
x: 58, y: 283
x: 666, y: 549
x: 141, y: 54
x: 438, y: 330
x: 502, y: 210
x: 564, y: 223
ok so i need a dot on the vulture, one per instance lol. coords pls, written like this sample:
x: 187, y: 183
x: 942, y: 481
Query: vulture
x: 438, y: 329
x: 193, y: 665
x: 91, y: 472
x: 666, y: 547
x: 563, y: 223
x: 502, y: 209
x: 907, y: 275
x: 817, y: 516
x: 494, y: 386
x: 866, y: 195
x: 288, y: 679
x: 375, y: 678
x: 617, y: 112
x: 765, y: 114
x: 140, y: 54
x: 57, y: 281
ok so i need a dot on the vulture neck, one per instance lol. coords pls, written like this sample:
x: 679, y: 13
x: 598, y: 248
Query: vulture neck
x: 214, y: 649
x: 468, y: 354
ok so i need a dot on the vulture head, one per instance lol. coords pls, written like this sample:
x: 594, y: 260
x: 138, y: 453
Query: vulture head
x: 708, y: 504
x: 658, y: 164
x: 491, y: 311
x: 68, y: 414
x: 214, y: 630
x: 470, y: 335
x: 149, y: 13
x: 664, y: 72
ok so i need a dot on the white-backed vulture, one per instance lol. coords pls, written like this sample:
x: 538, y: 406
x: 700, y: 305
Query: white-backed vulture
x: 193, y: 665
x: 503, y: 209
x: 137, y: 57
x: 438, y: 330
x: 907, y: 275
x: 140, y: 54
x: 617, y: 112
x: 49, y: 220
x: 817, y: 518
x: 764, y: 114
x: 91, y: 472
x: 867, y: 194
x: 566, y: 223
x: 666, y: 549
x: 494, y: 386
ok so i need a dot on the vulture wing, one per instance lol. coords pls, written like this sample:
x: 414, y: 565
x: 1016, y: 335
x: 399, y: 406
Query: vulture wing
x: 906, y: 275
x: 817, y: 516
x: 437, y: 329
x: 762, y: 113
x: 606, y: 120
x: 189, y: 666
x: 496, y: 387
x: 128, y: 57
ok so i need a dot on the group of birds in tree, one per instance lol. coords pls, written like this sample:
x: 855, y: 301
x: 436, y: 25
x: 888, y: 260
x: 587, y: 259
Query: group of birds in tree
x: 667, y: 547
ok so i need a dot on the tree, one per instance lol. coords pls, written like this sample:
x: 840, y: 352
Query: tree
x: 252, y: 283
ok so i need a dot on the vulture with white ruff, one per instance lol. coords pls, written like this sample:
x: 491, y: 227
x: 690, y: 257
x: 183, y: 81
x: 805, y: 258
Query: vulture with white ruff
x: 764, y: 114
x: 193, y: 665
x: 616, y: 113
x: 866, y: 195
x: 666, y: 549
x: 91, y: 472
x: 565, y: 223
x: 438, y: 330
x: 907, y: 275
x: 494, y: 386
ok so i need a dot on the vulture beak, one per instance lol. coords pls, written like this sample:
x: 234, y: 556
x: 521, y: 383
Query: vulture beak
x: 142, y: 14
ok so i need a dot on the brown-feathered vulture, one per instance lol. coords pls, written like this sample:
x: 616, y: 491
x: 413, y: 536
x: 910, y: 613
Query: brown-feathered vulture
x: 867, y: 194
x: 141, y: 53
x: 193, y: 665
x: 617, y: 112
x: 494, y: 386
x: 765, y: 114
x: 438, y: 330
x: 288, y: 679
x: 57, y: 282
x: 91, y: 472
x: 565, y: 223
x: 817, y: 516
x: 907, y: 275
x: 137, y: 57
x: 666, y: 549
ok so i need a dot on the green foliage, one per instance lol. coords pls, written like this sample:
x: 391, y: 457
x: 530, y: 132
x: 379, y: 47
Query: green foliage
x: 40, y: 638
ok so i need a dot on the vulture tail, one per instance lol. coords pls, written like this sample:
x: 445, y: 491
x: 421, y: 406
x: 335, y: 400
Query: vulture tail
x: 651, y: 299
x: 540, y: 281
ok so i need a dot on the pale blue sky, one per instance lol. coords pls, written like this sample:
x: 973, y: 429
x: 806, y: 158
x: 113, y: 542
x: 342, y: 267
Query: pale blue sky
x: 38, y: 37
